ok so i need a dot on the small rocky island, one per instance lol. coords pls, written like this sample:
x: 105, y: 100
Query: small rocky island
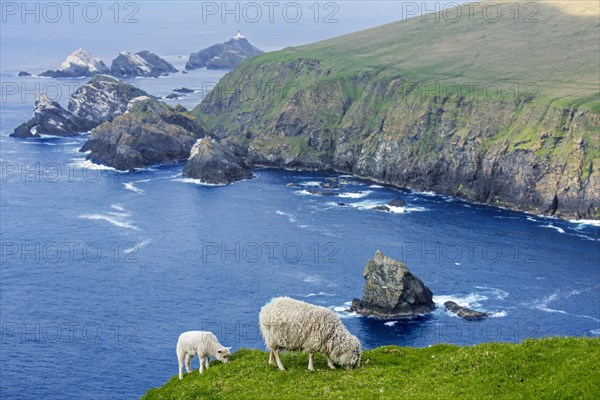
x: 149, y: 132
x: 127, y: 65
x: 100, y: 100
x: 214, y: 163
x: 227, y: 55
x: 143, y: 63
x: 464, y: 312
x: 391, y: 291
x: 79, y: 63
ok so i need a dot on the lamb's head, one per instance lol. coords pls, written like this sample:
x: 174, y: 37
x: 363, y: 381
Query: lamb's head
x: 223, y: 354
x: 349, y: 352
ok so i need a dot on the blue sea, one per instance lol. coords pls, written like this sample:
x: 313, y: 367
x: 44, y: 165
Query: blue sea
x: 102, y: 270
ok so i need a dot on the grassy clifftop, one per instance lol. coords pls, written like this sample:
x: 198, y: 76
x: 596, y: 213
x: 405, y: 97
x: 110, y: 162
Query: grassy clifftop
x: 555, y: 368
x: 503, y: 110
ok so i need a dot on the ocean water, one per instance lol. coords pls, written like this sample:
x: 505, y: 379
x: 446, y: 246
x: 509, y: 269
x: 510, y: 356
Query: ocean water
x: 102, y: 270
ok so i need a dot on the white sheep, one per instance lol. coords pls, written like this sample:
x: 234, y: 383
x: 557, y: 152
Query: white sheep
x: 293, y: 325
x: 202, y: 344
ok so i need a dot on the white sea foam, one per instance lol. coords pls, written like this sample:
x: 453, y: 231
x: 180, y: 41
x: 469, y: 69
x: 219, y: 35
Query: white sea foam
x: 137, y: 246
x: 311, y: 183
x: 557, y: 228
x: 87, y: 164
x: 195, y: 182
x: 498, y: 314
x: 390, y: 323
x: 544, y: 304
x: 499, y: 293
x: 290, y: 217
x: 323, y: 294
x: 355, y: 195
x: 376, y: 187
x: 466, y: 300
x: 583, y: 222
x: 117, y: 207
x: 132, y: 187
x: 312, y: 279
x: 595, y: 332
x: 343, y: 311
x: 111, y: 220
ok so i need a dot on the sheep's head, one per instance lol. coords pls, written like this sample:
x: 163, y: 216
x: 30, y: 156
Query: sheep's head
x: 223, y: 354
x: 350, y: 358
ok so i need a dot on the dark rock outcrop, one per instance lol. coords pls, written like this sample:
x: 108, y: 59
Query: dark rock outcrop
x: 49, y: 118
x: 398, y: 202
x: 23, y: 73
x: 143, y: 63
x: 223, y: 56
x: 148, y: 133
x: 464, y: 312
x: 212, y: 162
x: 391, y: 291
x: 183, y: 90
x: 79, y: 63
x: 381, y: 208
x: 101, y: 99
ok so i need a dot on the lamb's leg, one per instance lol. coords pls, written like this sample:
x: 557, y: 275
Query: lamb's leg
x: 310, y: 362
x: 271, y: 359
x: 188, y: 367
x: 330, y: 363
x: 207, y: 362
x: 279, y: 363
x: 201, y: 357
x: 180, y: 362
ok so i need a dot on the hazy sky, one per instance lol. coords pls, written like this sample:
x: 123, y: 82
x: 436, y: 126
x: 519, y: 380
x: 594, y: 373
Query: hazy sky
x: 39, y: 35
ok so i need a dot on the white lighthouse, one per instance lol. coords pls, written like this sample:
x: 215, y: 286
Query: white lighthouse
x: 239, y: 36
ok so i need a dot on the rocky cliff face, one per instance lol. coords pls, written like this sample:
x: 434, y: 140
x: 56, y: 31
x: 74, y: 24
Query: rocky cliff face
x: 79, y: 63
x: 223, y: 56
x: 212, y: 162
x: 392, y: 291
x: 49, y: 118
x: 148, y: 133
x: 143, y: 63
x: 528, y: 155
x: 101, y: 99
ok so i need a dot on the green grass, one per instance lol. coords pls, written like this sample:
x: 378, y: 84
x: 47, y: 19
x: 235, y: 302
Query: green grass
x: 553, y: 368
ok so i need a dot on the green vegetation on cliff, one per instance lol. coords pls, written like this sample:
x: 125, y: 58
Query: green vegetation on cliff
x: 554, y: 368
x: 503, y: 110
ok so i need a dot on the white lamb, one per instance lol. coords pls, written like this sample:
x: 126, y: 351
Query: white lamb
x: 293, y: 325
x: 202, y: 344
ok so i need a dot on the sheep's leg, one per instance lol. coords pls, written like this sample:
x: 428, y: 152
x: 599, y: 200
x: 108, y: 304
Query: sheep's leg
x: 207, y: 362
x: 330, y: 363
x: 188, y: 367
x: 271, y: 359
x: 310, y: 362
x: 201, y: 357
x: 279, y: 363
x: 180, y: 362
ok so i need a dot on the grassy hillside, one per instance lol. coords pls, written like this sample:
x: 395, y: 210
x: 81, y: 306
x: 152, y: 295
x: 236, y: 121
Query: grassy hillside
x: 504, y: 112
x: 555, y: 368
x: 554, y: 44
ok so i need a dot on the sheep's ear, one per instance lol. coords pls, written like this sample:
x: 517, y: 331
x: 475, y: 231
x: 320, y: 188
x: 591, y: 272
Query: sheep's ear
x: 229, y: 348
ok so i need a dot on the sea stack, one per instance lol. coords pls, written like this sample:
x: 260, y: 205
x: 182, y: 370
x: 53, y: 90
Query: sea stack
x: 214, y: 163
x: 79, y: 63
x: 227, y: 55
x: 143, y: 63
x: 391, y: 291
